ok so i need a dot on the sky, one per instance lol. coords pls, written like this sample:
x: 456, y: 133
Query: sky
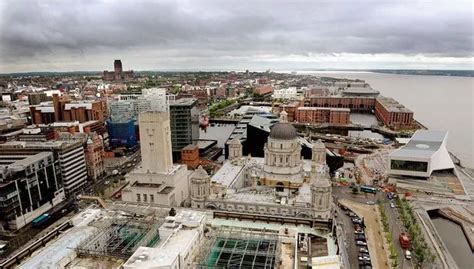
x: 74, y: 35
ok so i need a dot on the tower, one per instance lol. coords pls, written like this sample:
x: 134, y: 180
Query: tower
x: 283, y: 116
x: 235, y: 149
x: 118, y: 66
x: 155, y: 141
x: 320, y: 184
x: 200, y: 187
x: 318, y: 153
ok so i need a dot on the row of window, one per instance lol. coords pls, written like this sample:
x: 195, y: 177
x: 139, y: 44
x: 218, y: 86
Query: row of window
x: 145, y: 198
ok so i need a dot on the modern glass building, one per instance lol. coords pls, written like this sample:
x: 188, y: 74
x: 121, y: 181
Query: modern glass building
x: 184, y: 116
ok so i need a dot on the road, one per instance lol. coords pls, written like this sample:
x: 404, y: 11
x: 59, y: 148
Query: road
x: 395, y: 223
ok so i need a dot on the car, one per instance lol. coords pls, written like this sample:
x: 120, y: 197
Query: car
x: 364, y: 258
x: 357, y: 220
x: 407, y: 254
x: 361, y: 243
x: 359, y: 231
x: 363, y: 250
x: 390, y: 196
x: 370, y: 202
x: 351, y: 214
x: 360, y: 237
x: 392, y: 205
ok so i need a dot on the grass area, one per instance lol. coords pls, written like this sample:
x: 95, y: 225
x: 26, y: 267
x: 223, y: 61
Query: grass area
x: 388, y: 235
x: 421, y: 252
x: 213, y: 109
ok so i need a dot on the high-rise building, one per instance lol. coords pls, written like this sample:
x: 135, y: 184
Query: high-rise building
x: 184, y: 124
x: 157, y: 180
x: 155, y: 142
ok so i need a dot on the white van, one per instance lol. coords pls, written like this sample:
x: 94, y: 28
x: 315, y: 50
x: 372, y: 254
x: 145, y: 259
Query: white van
x: 407, y: 254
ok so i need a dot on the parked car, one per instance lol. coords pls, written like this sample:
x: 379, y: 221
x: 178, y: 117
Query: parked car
x: 357, y: 220
x: 392, y: 205
x: 407, y: 254
x: 352, y: 215
x: 360, y: 237
x: 361, y: 243
x: 363, y: 250
x: 364, y: 258
x: 359, y: 231
x: 370, y: 202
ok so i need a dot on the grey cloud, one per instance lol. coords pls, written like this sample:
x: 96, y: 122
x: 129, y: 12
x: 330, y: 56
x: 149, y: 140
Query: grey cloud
x: 31, y: 30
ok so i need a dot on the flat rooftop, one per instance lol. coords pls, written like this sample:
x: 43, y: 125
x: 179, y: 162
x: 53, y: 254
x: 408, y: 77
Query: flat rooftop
x: 423, y: 144
x: 392, y: 105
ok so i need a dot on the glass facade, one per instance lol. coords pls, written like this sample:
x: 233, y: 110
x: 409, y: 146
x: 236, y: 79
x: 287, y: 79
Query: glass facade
x: 409, y: 166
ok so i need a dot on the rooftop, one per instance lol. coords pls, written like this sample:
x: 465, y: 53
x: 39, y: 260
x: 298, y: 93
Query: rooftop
x: 392, y: 105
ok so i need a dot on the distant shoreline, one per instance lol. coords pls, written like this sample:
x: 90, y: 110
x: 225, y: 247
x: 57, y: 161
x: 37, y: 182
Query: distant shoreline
x: 452, y: 73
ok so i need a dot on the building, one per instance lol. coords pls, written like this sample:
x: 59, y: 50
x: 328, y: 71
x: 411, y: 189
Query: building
x: 36, y: 98
x: 279, y: 184
x: 286, y: 93
x: 62, y: 109
x: 184, y: 116
x: 94, y: 153
x: 129, y: 106
x: 118, y: 73
x: 424, y: 154
x: 354, y: 103
x: 393, y: 114
x: 263, y: 90
x: 180, y: 236
x: 69, y: 155
x: 157, y: 180
x: 122, y: 133
x: 30, y: 185
x: 323, y: 115
x: 190, y: 156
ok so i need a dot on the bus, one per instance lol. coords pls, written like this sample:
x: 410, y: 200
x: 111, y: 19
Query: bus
x: 368, y: 189
x: 40, y: 221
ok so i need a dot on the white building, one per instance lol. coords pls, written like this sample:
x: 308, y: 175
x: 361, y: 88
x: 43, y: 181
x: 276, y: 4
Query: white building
x: 180, y: 237
x: 287, y: 93
x: 425, y: 153
x: 131, y: 105
x: 157, y: 180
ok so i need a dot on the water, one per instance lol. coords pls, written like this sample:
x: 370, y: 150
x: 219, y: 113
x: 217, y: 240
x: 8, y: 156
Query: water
x: 366, y: 120
x: 438, y: 102
x: 456, y: 242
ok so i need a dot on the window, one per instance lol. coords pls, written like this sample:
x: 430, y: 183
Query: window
x: 409, y: 165
x: 145, y: 198
x: 152, y: 198
x: 138, y: 197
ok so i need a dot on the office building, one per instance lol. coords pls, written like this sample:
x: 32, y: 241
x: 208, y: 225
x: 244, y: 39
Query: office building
x: 30, y: 185
x: 184, y: 124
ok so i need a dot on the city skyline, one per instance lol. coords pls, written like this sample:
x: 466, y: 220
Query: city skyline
x: 226, y: 35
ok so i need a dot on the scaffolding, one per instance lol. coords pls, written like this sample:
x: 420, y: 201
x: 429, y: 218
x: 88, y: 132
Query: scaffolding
x: 238, y: 248
x: 119, y: 238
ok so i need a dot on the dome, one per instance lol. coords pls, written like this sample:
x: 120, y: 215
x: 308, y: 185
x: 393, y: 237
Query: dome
x: 283, y: 131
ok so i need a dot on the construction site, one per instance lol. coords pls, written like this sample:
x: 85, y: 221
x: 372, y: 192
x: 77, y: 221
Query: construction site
x: 238, y: 248
x: 120, y: 238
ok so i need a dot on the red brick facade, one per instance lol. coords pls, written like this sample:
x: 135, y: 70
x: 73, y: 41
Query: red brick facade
x: 323, y: 115
x: 355, y: 104
x: 393, y: 114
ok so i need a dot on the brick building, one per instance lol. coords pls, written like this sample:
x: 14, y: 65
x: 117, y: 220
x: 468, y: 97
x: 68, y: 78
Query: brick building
x: 393, y: 114
x: 190, y: 156
x: 354, y: 103
x: 63, y: 109
x: 323, y: 115
x: 94, y: 153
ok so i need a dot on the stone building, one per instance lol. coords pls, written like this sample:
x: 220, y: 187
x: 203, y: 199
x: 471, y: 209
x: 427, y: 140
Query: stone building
x: 280, y: 184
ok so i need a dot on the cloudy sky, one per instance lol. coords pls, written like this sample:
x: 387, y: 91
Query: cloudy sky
x: 73, y: 35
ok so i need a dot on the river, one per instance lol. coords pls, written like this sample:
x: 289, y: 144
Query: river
x: 438, y: 102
